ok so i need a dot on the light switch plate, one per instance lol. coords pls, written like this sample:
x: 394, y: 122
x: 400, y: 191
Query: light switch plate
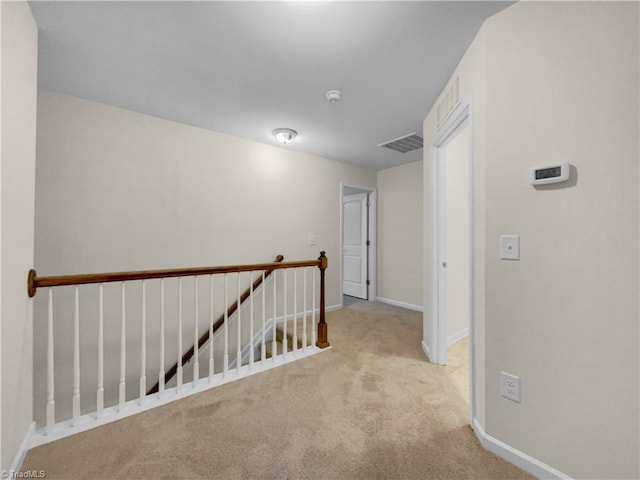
x: 510, y: 247
x: 313, y: 240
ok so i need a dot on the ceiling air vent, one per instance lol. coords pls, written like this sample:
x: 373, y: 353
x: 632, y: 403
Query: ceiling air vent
x: 405, y: 144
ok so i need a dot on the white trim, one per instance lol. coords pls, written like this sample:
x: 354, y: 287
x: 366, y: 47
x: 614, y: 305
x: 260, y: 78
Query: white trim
x: 397, y: 303
x: 426, y: 351
x: 373, y: 206
x: 268, y: 329
x: 332, y: 308
x: 257, y: 342
x: 472, y: 268
x: 463, y: 114
x: 520, y: 459
x: 257, y: 338
x: 16, y: 465
x: 456, y: 122
x: 373, y: 235
x: 133, y: 407
x: 356, y: 289
x: 451, y: 339
x: 435, y: 261
x: 441, y: 339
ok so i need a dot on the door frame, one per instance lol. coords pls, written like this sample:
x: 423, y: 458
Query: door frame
x: 460, y: 118
x: 373, y: 197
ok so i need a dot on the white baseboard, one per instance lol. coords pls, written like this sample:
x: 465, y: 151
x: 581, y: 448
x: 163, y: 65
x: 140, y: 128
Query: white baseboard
x: 332, y: 308
x: 458, y: 336
x: 516, y: 457
x: 16, y: 465
x: 233, y: 362
x: 426, y: 351
x: 396, y: 303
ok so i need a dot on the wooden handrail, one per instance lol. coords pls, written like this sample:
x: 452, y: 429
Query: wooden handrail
x: 216, y: 326
x: 34, y: 281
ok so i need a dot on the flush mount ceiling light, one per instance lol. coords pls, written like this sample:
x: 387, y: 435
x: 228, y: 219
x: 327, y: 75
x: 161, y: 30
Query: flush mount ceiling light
x: 285, y: 135
x: 333, y: 95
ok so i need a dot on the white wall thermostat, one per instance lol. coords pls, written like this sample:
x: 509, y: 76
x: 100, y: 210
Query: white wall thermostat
x: 549, y: 174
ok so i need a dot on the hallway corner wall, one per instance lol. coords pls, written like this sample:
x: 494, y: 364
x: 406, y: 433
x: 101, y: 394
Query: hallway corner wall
x: 553, y: 82
x: 399, y: 259
x: 18, y: 143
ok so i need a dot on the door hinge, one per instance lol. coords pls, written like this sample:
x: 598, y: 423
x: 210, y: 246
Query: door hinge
x: 444, y: 264
x: 368, y: 282
x: 368, y: 243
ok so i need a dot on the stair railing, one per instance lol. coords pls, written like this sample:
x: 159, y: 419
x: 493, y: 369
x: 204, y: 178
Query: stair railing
x: 55, y: 425
x: 217, y: 325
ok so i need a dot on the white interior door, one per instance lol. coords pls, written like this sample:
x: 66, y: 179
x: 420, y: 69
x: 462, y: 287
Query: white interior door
x: 453, y: 211
x: 453, y: 252
x: 354, y: 245
x: 440, y: 339
x: 456, y: 156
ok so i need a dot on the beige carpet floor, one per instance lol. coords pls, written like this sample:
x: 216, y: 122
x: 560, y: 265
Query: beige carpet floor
x: 458, y: 366
x: 371, y: 407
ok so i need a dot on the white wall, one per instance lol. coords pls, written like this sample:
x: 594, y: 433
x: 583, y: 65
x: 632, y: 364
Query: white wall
x: 399, y: 256
x: 118, y: 190
x: 456, y: 155
x: 18, y: 139
x: 565, y: 317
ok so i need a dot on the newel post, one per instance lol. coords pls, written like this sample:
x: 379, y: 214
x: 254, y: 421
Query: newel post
x: 31, y: 279
x: 322, y: 324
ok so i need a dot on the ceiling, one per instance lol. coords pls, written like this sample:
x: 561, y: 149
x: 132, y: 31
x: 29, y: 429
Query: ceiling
x: 246, y: 68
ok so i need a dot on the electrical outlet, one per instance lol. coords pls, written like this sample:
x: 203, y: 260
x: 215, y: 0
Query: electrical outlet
x: 313, y: 240
x: 510, y: 386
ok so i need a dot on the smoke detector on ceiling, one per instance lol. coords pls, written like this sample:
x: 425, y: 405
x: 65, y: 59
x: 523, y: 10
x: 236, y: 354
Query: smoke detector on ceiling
x: 333, y: 95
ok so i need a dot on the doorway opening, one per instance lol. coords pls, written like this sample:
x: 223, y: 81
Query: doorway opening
x: 454, y: 167
x: 452, y: 339
x: 357, y: 243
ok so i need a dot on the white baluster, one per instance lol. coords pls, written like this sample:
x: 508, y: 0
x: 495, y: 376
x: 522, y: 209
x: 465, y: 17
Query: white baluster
x: 51, y: 404
x: 239, y: 353
x: 313, y: 308
x: 122, y: 388
x: 100, y: 392
x: 225, y: 359
x: 76, y: 359
x: 285, y: 339
x: 162, y: 373
x: 251, y: 353
x: 295, y: 311
x: 274, y: 345
x: 211, y: 372
x: 143, y: 345
x: 179, y: 384
x: 304, y: 313
x: 263, y: 348
x: 196, y: 361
